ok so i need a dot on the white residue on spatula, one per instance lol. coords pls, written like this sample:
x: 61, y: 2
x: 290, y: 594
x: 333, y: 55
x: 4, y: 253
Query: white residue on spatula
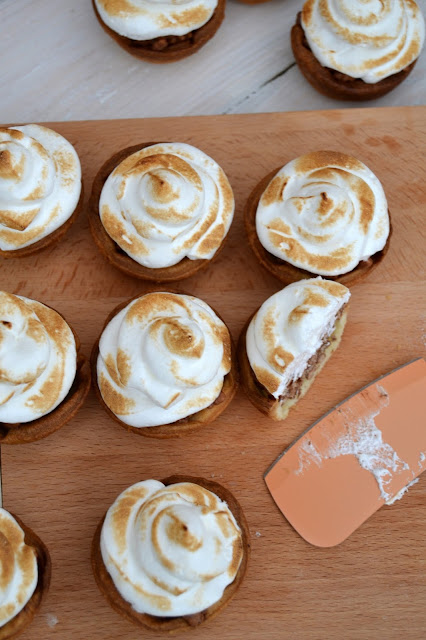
x: 364, y: 441
x: 401, y: 493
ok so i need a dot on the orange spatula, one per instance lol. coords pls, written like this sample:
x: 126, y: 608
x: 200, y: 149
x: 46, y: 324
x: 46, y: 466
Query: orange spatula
x: 362, y: 454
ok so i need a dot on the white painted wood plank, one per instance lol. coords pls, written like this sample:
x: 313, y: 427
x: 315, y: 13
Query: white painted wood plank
x: 65, y: 67
x: 58, y: 64
x: 291, y: 92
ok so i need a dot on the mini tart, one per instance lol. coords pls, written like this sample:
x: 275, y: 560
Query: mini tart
x: 17, y: 625
x: 286, y: 272
x: 174, y: 625
x: 180, y: 427
x: 168, y: 48
x: 335, y: 84
x: 48, y: 154
x: 114, y: 253
x: 25, y: 432
x: 258, y: 394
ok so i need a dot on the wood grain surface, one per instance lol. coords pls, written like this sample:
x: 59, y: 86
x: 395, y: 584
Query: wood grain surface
x: 371, y: 586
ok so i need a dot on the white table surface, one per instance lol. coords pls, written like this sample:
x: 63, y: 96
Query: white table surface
x: 56, y: 63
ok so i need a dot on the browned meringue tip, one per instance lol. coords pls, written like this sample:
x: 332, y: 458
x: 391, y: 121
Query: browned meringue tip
x: 17, y: 625
x: 114, y: 254
x: 51, y: 239
x: 168, y: 48
x: 187, y: 425
x: 286, y: 272
x: 332, y: 83
x: 174, y: 625
x: 46, y: 425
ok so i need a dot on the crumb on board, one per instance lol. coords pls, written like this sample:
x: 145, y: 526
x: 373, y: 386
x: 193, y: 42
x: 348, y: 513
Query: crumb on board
x: 51, y: 620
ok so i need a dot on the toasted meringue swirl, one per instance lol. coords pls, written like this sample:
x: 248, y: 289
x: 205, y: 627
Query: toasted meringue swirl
x: 165, y: 202
x: 367, y: 39
x: 37, y: 359
x: 289, y: 328
x: 148, y: 19
x: 40, y: 184
x: 324, y: 212
x: 19, y: 573
x: 162, y: 358
x: 170, y: 550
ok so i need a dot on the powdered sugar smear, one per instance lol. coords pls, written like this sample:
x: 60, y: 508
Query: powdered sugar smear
x: 308, y: 454
x: 363, y: 440
x: 382, y: 391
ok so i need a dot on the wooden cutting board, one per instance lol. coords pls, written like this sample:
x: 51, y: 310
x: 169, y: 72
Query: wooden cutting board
x: 371, y: 586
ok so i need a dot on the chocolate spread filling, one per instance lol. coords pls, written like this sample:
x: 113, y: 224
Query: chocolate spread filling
x: 164, y: 42
x: 174, y: 43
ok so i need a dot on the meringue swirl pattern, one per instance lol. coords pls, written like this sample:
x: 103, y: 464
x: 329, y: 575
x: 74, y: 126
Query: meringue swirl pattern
x: 149, y: 19
x: 170, y: 550
x: 38, y: 359
x: 167, y: 202
x: 19, y: 573
x: 162, y: 358
x: 40, y: 184
x: 368, y: 39
x: 289, y: 328
x: 324, y: 212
